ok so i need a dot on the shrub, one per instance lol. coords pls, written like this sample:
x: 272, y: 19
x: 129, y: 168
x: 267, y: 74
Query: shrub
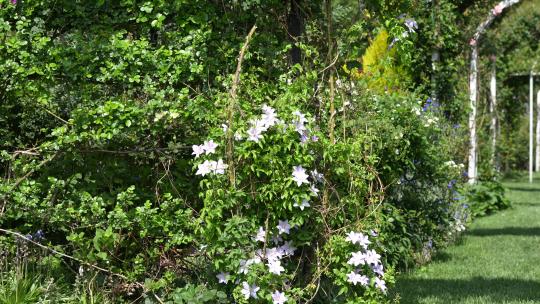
x: 159, y: 183
x: 285, y: 222
x: 485, y: 198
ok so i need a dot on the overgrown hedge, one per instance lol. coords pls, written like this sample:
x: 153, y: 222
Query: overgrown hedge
x: 125, y: 148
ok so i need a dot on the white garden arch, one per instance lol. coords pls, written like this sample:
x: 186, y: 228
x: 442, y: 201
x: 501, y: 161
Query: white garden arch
x: 473, y: 88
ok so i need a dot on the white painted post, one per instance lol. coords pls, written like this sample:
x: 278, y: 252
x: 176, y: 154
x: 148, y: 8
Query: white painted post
x: 537, y: 167
x: 531, y: 122
x: 435, y: 57
x: 473, y: 77
x: 493, y: 111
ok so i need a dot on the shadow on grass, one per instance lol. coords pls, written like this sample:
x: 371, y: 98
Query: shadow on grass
x: 441, y: 256
x: 521, y: 231
x: 414, y: 290
x: 524, y: 189
x: 526, y: 204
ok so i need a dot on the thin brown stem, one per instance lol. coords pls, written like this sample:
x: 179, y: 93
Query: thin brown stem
x: 232, y: 105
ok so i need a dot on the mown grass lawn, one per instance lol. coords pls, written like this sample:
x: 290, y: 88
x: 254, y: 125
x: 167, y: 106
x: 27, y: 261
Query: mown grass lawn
x: 497, y: 261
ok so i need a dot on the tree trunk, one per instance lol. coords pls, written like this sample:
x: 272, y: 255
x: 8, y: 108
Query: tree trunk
x: 330, y: 41
x: 473, y: 80
x: 295, y: 28
x: 361, y: 7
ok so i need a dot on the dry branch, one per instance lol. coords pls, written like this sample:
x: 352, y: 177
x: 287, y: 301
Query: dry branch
x: 232, y: 105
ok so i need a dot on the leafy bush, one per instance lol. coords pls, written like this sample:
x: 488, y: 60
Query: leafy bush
x: 126, y: 147
x: 200, y: 294
x: 485, y: 198
x: 292, y: 188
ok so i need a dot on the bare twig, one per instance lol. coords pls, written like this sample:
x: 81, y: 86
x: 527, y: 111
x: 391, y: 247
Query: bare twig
x: 331, y: 65
x: 331, y: 121
x: 41, y: 164
x: 61, y: 254
x: 31, y: 151
x: 54, y: 115
x: 232, y: 105
x: 319, y: 272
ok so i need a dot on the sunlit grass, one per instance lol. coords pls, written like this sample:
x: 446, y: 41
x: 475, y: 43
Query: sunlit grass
x: 498, y: 260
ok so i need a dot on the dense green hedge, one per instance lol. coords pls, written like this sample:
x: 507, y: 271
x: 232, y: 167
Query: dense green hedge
x: 125, y: 148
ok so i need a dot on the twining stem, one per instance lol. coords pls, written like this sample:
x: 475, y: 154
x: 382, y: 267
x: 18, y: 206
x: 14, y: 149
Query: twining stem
x: 331, y: 122
x: 232, y: 105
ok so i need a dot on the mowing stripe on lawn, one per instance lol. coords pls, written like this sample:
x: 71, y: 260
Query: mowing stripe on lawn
x: 497, y: 260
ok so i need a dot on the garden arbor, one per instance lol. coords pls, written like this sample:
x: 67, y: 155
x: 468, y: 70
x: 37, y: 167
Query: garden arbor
x: 473, y: 86
x: 515, y: 41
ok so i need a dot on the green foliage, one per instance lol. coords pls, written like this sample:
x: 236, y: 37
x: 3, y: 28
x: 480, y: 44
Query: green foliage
x: 100, y: 120
x: 20, y: 288
x: 380, y: 68
x: 485, y: 198
x: 512, y: 45
x: 29, y: 275
x: 196, y: 295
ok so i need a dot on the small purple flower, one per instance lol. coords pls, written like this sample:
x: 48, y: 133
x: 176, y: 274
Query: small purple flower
x: 378, y: 269
x: 451, y: 184
x: 36, y: 237
x: 355, y: 278
x: 303, y: 138
x: 223, y: 277
x: 394, y: 41
x: 427, y: 105
x: 318, y: 177
x: 279, y: 297
x: 283, y: 227
x: 14, y: 2
x: 39, y: 234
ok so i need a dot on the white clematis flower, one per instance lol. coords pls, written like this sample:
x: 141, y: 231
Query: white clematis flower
x: 299, y: 175
x: 249, y: 291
